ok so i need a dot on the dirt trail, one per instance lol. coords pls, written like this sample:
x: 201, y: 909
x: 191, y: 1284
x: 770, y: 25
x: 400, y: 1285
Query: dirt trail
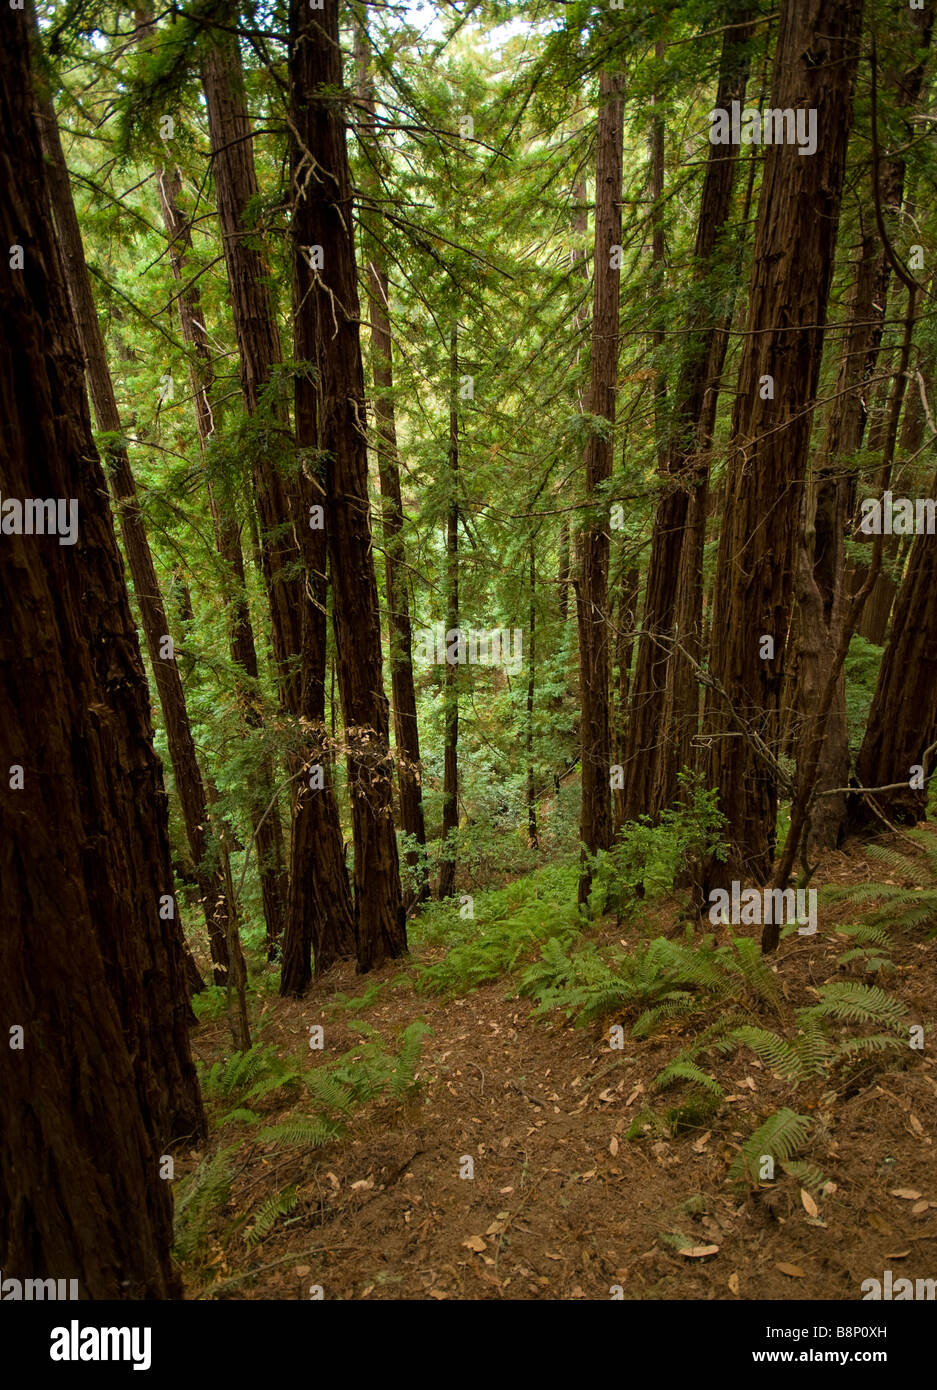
x: 561, y: 1205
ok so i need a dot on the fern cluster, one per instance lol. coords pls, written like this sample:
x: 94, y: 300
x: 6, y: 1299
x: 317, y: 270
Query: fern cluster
x: 665, y: 979
x: 198, y: 1197
x: 813, y: 1050
x: 892, y: 905
x: 360, y: 1075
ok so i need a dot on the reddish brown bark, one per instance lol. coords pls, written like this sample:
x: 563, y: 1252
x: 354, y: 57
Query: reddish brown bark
x: 190, y: 787
x: 815, y: 66
x: 90, y: 970
x: 293, y: 552
x: 902, y: 722
x: 595, y: 827
x: 326, y: 319
x: 650, y: 745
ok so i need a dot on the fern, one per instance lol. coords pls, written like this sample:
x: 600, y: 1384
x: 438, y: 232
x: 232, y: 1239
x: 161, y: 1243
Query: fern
x: 328, y: 1091
x: 249, y: 1074
x: 807, y: 1174
x: 402, y: 1080
x: 892, y: 904
x: 683, y: 1070
x: 678, y: 1003
x: 197, y: 1198
x: 270, y: 1211
x: 776, y: 1052
x: 313, y: 1133
x: 760, y: 978
x: 781, y: 1135
x: 241, y: 1115
x: 856, y: 1003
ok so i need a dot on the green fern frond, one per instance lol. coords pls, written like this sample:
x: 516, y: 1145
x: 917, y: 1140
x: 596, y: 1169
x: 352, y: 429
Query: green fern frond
x: 873, y: 1042
x: 270, y: 1211
x: 683, y: 1070
x: 198, y: 1197
x: 760, y: 978
x: 776, y: 1052
x: 781, y: 1135
x: 806, y: 1173
x: 676, y: 1004
x: 327, y: 1091
x: 867, y: 934
x: 403, y: 1078
x: 856, y: 1003
x: 812, y: 1044
x: 241, y: 1115
x: 305, y: 1134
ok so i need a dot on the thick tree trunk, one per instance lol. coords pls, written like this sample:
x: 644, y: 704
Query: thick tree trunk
x: 319, y: 911
x: 649, y: 760
x: 403, y: 694
x: 327, y: 309
x: 595, y: 828
x: 188, y: 777
x: 91, y: 962
x: 267, y: 829
x: 831, y: 500
x: 450, y: 781
x: 903, y: 719
x: 798, y: 216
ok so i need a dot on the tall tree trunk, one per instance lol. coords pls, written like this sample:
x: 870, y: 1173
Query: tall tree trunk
x: 327, y: 314
x: 91, y: 952
x: 649, y: 757
x: 533, y: 838
x: 831, y: 499
x: 266, y: 827
x: 319, y: 914
x: 902, y: 722
x: 188, y: 777
x: 798, y: 216
x: 403, y: 694
x: 624, y: 647
x: 450, y: 781
x: 595, y: 828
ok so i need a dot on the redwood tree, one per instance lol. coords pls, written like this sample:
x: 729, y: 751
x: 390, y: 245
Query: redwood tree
x: 190, y: 786
x: 798, y: 216
x: 592, y: 578
x: 648, y: 756
x: 326, y: 321
x: 91, y: 953
x: 293, y: 553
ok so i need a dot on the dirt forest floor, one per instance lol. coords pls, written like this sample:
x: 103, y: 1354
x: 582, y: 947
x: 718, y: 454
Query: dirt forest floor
x: 561, y: 1205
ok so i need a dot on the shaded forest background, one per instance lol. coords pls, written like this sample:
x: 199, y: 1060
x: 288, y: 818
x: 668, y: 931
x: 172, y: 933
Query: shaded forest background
x: 401, y: 329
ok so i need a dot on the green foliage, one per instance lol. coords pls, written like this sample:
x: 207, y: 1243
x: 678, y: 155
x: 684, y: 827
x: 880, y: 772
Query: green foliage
x: 666, y: 979
x: 508, y: 926
x: 197, y: 1199
x: 210, y: 1003
x: 248, y: 1076
x: 360, y: 1075
x: 893, y: 905
x: 780, y: 1137
x: 314, y: 1133
x: 269, y: 1212
x: 653, y: 857
x: 861, y: 672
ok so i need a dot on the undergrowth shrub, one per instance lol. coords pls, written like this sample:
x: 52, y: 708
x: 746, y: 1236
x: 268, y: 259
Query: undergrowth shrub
x: 509, y: 925
x: 653, y: 858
